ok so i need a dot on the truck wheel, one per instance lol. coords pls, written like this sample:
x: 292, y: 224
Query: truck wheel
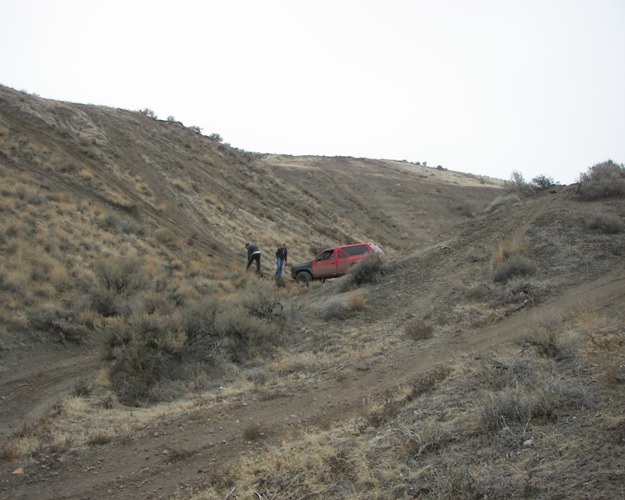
x: 303, y: 278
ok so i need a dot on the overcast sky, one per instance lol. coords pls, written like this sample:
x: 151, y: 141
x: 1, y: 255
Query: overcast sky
x: 487, y: 87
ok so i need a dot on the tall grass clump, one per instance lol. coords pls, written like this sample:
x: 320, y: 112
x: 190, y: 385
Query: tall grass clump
x: 604, y: 180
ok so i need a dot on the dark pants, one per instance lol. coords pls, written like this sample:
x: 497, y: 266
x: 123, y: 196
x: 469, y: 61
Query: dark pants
x: 253, y: 258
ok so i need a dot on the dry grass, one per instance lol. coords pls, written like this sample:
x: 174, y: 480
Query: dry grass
x: 466, y: 427
x: 419, y: 330
x: 102, y: 247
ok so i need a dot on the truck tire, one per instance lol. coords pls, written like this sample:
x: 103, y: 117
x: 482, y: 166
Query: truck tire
x: 303, y: 277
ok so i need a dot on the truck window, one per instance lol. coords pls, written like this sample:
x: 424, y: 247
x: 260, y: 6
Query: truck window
x: 356, y: 250
x: 325, y: 255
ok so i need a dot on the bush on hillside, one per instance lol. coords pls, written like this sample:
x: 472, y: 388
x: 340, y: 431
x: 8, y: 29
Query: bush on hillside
x: 542, y: 182
x: 122, y: 276
x: 606, y: 224
x: 502, y: 202
x: 336, y: 309
x: 515, y: 266
x: 149, y: 113
x: 119, y: 280
x: 156, y: 354
x: 604, y: 180
x: 204, y: 343
x: 260, y: 298
x: 518, y: 184
x: 146, y: 351
x: 368, y: 270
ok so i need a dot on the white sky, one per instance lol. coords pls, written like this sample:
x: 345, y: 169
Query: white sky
x: 480, y: 86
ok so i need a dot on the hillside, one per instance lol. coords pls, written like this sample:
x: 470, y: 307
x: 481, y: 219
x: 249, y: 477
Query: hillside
x: 481, y: 357
x: 204, y: 189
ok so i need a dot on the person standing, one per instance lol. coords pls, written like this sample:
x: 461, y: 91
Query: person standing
x: 281, y: 257
x: 253, y: 255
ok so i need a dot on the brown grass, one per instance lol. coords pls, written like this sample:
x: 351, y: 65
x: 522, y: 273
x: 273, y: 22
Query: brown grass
x: 419, y: 330
x: 538, y: 419
x: 501, y: 407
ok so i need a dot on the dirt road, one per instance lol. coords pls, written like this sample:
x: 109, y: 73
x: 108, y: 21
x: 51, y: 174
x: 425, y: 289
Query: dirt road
x: 165, y: 459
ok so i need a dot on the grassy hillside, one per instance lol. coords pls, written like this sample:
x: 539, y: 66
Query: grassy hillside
x: 482, y: 356
x: 88, y: 188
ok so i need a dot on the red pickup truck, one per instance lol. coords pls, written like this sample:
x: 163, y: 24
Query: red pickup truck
x: 332, y: 262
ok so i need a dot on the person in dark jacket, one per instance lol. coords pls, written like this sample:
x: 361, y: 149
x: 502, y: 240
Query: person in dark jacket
x: 281, y: 256
x: 253, y: 255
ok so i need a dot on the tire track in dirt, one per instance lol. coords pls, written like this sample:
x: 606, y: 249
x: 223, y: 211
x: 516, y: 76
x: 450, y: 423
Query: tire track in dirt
x: 25, y: 395
x: 164, y: 458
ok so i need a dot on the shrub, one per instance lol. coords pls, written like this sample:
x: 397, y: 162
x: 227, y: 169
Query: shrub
x: 518, y: 184
x: 146, y: 350
x: 245, y: 336
x: 428, y: 382
x: 166, y: 237
x: 604, y: 180
x: 122, y: 276
x: 316, y: 248
x: 148, y: 112
x: 100, y: 438
x: 82, y: 388
x: 180, y: 185
x: 480, y: 291
x: 514, y: 266
x: 542, y: 182
x: 204, y: 342
x: 107, y: 303
x: 502, y: 202
x: 336, y: 310
x: 514, y: 405
x: 464, y: 209
x: 356, y: 301
x: 545, y: 343
x: 261, y: 298
x: 419, y: 330
x: 154, y: 356
x: 606, y: 224
x: 500, y: 375
x: 382, y: 413
x: 368, y: 270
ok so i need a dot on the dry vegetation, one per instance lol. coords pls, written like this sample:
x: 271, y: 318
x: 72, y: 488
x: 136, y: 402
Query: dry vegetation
x: 525, y: 421
x: 125, y: 235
